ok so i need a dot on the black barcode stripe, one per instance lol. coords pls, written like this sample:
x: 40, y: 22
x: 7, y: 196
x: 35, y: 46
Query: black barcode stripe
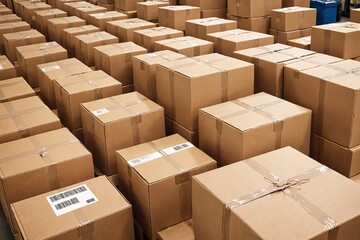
x: 66, y: 194
x: 66, y: 203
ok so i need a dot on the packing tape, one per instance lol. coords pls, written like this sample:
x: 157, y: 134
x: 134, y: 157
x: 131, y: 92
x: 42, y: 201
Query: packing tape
x: 86, y: 228
x: 97, y: 90
x: 287, y: 187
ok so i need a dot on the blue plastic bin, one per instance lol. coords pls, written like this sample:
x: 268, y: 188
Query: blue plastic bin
x: 326, y: 11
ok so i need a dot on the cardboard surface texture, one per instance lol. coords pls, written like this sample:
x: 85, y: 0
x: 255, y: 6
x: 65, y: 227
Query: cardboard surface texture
x: 42, y: 17
x: 176, y: 16
x: 182, y: 230
x: 252, y: 8
x: 56, y: 26
x: 293, y: 18
x: 149, y: 10
x: 355, y: 15
x: 14, y: 88
x: 11, y: 28
x: 303, y: 42
x: 7, y: 69
x: 255, y: 24
x: 100, y: 19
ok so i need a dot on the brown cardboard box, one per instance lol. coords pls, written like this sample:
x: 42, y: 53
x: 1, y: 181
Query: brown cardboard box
x: 48, y: 72
x: 124, y: 29
x: 293, y: 18
x: 227, y: 131
x: 252, y: 8
x: 219, y: 13
x: 284, y: 37
x: 205, y: 4
x: 182, y: 230
x: 176, y: 16
x: 60, y: 4
x: 189, y: 46
x: 303, y: 42
x: 229, y: 41
x: 25, y: 117
x: 356, y: 178
x: 180, y: 85
x: 144, y: 71
x: 269, y: 65
x: 291, y: 183
x: 7, y: 69
x: 72, y: 7
x: 172, y: 127
x: 11, y: 28
x: 22, y: 38
x: 100, y: 19
x: 355, y: 15
x: 42, y: 17
x: 73, y: 90
x: 56, y: 25
x: 10, y: 18
x: 156, y: 177
x: 147, y: 37
x: 337, y: 39
x: 101, y: 213
x: 70, y: 33
x: 149, y: 10
x: 331, y: 92
x: 137, y: 118
x: 292, y: 3
x: 53, y: 159
x: 256, y: 24
x: 32, y: 55
x: 108, y: 6
x: 28, y: 9
x: 127, y: 5
x: 85, y: 44
x: 343, y: 160
x: 201, y: 27
x: 129, y: 14
x: 108, y: 57
x: 84, y: 11
x: 15, y: 88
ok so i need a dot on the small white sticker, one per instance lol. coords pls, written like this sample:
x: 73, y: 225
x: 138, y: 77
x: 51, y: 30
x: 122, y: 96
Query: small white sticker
x: 178, y: 148
x: 72, y: 199
x: 98, y: 14
x: 144, y: 159
x: 51, y: 68
x: 100, y: 111
x: 1, y: 67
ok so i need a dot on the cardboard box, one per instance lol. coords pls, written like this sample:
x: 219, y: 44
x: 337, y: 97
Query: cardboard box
x: 356, y: 178
x: 22, y: 38
x: 54, y: 159
x: 201, y: 27
x: 124, y: 29
x: 176, y: 16
x: 331, y: 92
x: 156, y: 177
x: 10, y: 18
x: 284, y: 37
x: 85, y: 44
x: 11, y: 28
x: 292, y: 3
x: 149, y: 10
x: 147, y: 37
x: 343, y: 160
x: 42, y: 17
x: 180, y: 85
x: 227, y: 42
x: 144, y: 71
x: 48, y: 72
x: 84, y: 11
x: 293, y: 18
x: 15, y: 88
x: 137, y: 118
x: 108, y: 57
x: 218, y: 195
x: 355, y: 15
x: 28, y: 9
x: 25, y: 117
x: 172, y: 127
x: 56, y: 26
x: 182, y: 230
x: 227, y: 131
x: 7, y: 69
x: 337, y: 39
x: 252, y: 8
x: 126, y: 5
x: 60, y: 4
x: 73, y: 90
x: 72, y: 7
x: 256, y: 24
x: 100, y: 19
x: 219, y: 13
x: 303, y: 42
x: 32, y: 55
x: 129, y: 14
x: 205, y: 4
x: 269, y: 64
x: 99, y: 212
x: 70, y: 33
x: 108, y: 6
x: 189, y: 46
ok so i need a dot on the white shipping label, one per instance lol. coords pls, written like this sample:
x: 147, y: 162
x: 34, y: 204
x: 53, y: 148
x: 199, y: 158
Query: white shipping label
x: 144, y: 159
x: 178, y: 148
x: 72, y: 199
x: 51, y: 68
x: 100, y: 111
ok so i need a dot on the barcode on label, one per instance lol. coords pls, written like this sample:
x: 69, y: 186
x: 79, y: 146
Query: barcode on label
x: 178, y: 148
x: 51, y: 68
x: 90, y: 200
x: 66, y: 194
x: 144, y: 159
x: 100, y: 111
x: 67, y: 203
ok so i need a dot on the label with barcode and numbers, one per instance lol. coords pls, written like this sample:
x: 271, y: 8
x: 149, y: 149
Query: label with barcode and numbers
x: 72, y: 199
x: 177, y: 148
x: 100, y: 111
x: 51, y: 68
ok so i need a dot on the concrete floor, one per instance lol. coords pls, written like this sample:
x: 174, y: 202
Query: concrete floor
x: 5, y: 232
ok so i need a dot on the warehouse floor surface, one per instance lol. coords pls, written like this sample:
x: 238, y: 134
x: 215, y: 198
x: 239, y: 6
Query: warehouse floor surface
x: 5, y: 232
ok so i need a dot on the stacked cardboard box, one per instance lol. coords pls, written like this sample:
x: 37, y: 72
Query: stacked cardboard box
x: 28, y: 9
x: 168, y: 163
x: 11, y: 28
x: 7, y: 69
x: 15, y: 88
x: 176, y: 16
x: 149, y: 10
x: 56, y: 25
x: 100, y: 19
x: 294, y: 3
x: 292, y: 22
x: 108, y: 4
x: 41, y: 19
x: 9, y: 18
x: 355, y: 15
x: 60, y: 4
x: 331, y: 92
x: 126, y: 5
x: 304, y: 42
x: 252, y: 15
x: 208, y: 8
x: 83, y: 11
x: 71, y: 7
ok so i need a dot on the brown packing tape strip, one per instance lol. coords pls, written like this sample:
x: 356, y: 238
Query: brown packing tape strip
x: 327, y: 39
x: 86, y: 228
x: 172, y: 94
x: 96, y: 89
x: 287, y: 188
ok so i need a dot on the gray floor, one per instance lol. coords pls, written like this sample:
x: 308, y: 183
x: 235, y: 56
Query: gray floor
x: 5, y: 232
